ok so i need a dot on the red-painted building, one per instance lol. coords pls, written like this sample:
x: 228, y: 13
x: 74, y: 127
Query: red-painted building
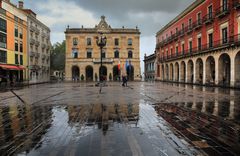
x: 199, y: 45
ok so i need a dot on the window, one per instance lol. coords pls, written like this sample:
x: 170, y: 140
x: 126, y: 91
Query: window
x: 176, y: 52
x: 171, y: 52
x: 130, y: 54
x: 16, y: 45
x: 89, y: 54
x: 21, y: 47
x: 199, y: 18
x: 129, y: 41
x: 15, y: 18
x: 3, y: 25
x: 103, y: 54
x: 3, y: 56
x: 116, y: 54
x: 75, y: 41
x: 190, y: 23
x: 182, y: 26
x: 176, y: 30
x: 210, y: 40
x: 210, y: 12
x: 199, y: 43
x: 21, y: 33
x: 183, y: 48
x: 190, y: 46
x: 16, y: 59
x: 16, y: 31
x: 224, y: 35
x: 3, y: 40
x: 224, y: 5
x: 116, y: 42
x: 21, y: 60
x: 75, y: 53
x: 89, y: 41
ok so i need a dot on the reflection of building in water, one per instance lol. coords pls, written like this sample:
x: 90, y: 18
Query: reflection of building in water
x: 22, y: 126
x: 103, y: 115
x: 213, y: 134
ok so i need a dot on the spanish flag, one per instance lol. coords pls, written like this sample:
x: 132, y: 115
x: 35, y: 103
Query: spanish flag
x: 119, y: 65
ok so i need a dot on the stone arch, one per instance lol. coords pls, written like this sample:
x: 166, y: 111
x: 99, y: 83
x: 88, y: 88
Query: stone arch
x: 210, y: 69
x: 103, y: 76
x: 171, y: 72
x: 116, y: 73
x: 89, y: 73
x: 167, y: 72
x: 75, y: 73
x: 237, y: 69
x: 224, y: 69
x: 162, y: 73
x: 176, y: 71
x: 199, y: 71
x: 183, y: 72
x: 190, y: 67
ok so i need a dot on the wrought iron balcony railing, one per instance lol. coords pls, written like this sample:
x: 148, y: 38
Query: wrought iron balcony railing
x: 223, y: 10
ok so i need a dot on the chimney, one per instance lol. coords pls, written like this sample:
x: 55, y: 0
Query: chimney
x: 20, y: 4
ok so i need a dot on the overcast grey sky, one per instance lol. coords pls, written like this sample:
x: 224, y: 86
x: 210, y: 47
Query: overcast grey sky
x: 149, y: 15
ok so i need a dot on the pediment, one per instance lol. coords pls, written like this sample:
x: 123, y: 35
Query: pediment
x: 103, y: 25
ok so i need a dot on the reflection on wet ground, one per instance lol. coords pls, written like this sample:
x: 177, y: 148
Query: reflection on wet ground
x: 144, y: 119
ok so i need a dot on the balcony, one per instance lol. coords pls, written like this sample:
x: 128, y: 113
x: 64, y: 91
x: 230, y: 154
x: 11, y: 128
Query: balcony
x: 37, y: 55
x: 32, y: 54
x: 189, y: 29
x: 197, y: 24
x: 232, y: 41
x: 43, y: 45
x: 236, y: 4
x: 37, y: 31
x: 44, y: 34
x: 208, y: 19
x: 43, y: 57
x: 223, y: 11
x: 104, y: 60
x: 37, y: 43
x: 32, y: 41
x: 34, y: 67
x: 32, y: 28
x: 181, y: 33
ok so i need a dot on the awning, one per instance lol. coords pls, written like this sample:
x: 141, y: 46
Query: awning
x: 11, y: 67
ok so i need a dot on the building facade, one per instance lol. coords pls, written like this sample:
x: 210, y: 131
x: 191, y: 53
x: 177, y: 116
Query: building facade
x: 201, y: 45
x: 39, y: 47
x: 149, y: 67
x: 121, y: 53
x: 13, y: 43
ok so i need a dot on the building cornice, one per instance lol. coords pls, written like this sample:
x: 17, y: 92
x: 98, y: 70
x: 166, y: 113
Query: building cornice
x: 94, y: 30
x: 181, y: 15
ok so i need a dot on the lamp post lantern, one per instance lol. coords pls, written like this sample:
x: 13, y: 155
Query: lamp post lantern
x: 101, y: 42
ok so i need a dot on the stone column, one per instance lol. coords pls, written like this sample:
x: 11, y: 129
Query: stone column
x: 232, y: 72
x: 216, y: 70
x: 231, y: 110
x: 186, y: 73
x: 204, y: 72
x: 194, y: 71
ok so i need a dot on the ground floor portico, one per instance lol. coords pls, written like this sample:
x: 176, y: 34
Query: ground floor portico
x: 90, y: 71
x: 220, y: 68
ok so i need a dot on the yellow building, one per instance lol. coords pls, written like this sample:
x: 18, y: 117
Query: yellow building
x: 13, y: 43
x: 83, y: 54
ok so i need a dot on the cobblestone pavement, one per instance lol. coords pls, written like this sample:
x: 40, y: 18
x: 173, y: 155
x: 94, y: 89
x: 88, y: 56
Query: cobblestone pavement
x: 142, y: 119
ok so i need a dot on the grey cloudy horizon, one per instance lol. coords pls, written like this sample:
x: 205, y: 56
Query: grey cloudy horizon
x: 149, y: 15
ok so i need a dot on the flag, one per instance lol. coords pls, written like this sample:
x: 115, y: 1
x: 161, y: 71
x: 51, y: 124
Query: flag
x: 127, y: 64
x: 119, y: 65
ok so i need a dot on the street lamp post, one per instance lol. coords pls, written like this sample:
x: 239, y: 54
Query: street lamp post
x: 101, y: 42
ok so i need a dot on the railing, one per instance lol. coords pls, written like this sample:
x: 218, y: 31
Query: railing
x: 32, y: 54
x: 236, y: 4
x: 43, y: 45
x: 219, y: 44
x: 197, y: 24
x: 37, y: 30
x: 32, y: 28
x: 37, y: 43
x: 223, y: 10
x: 104, y: 60
x: 32, y: 41
x: 208, y: 18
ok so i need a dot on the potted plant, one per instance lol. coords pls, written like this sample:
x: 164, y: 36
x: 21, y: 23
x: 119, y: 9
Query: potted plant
x: 110, y: 77
x: 82, y: 77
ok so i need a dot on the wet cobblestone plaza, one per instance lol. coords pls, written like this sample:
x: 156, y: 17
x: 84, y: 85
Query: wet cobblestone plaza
x: 142, y: 119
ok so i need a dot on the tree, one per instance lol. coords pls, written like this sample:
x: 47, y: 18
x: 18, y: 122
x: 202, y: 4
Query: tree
x: 57, y: 56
